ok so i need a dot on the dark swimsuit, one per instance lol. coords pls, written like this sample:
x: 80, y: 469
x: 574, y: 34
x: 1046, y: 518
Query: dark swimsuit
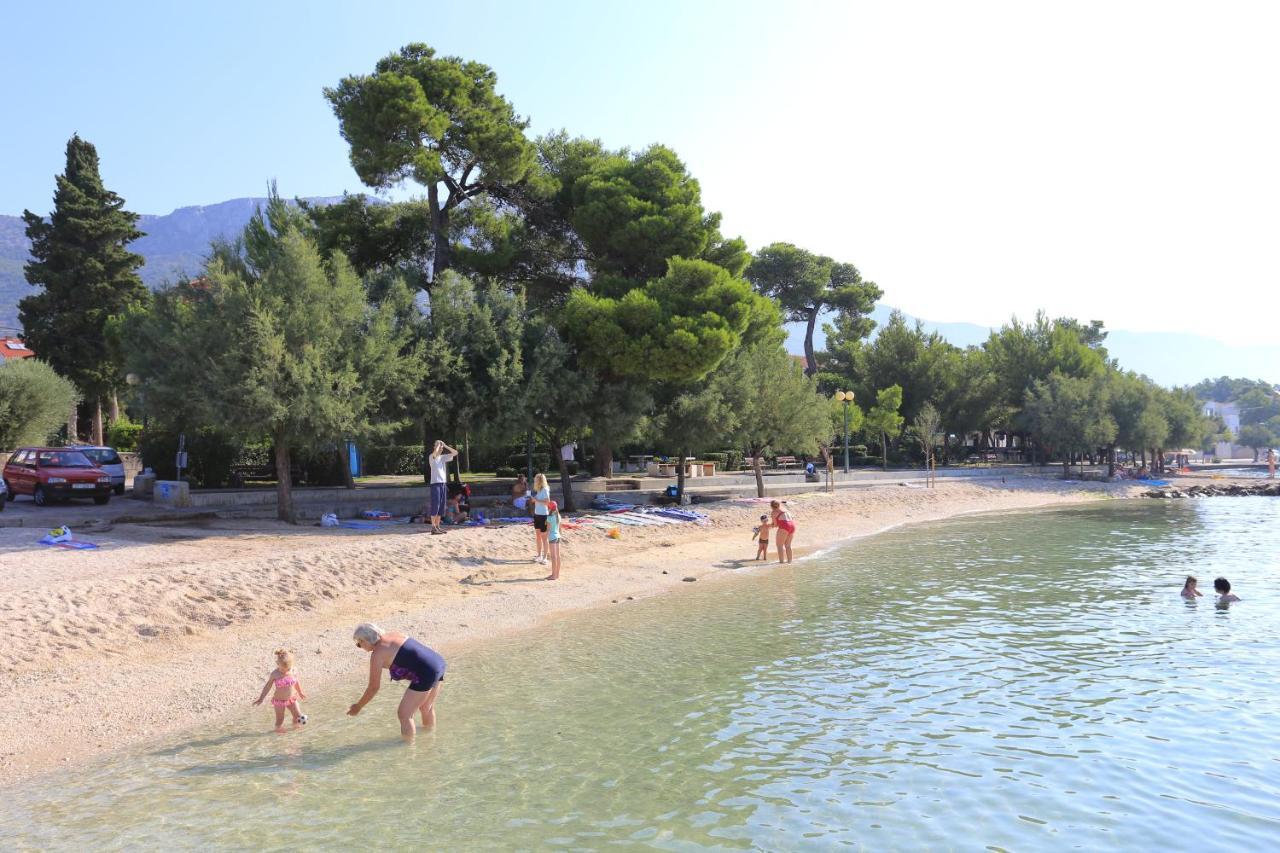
x: 421, y: 666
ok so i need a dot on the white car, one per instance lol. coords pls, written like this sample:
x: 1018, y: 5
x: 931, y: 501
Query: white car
x: 109, y: 461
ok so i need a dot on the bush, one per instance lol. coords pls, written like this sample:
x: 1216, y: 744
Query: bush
x: 541, y: 462
x: 123, y: 434
x: 34, y: 402
x: 210, y: 455
x: 393, y: 459
x: 506, y: 472
x: 733, y: 460
x: 721, y: 460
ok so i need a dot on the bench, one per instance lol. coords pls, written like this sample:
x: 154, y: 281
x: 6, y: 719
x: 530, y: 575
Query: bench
x: 749, y: 464
x: 241, y: 474
x: 785, y: 461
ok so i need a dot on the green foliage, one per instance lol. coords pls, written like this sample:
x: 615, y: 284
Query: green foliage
x: 34, y: 402
x: 377, y: 237
x: 636, y: 212
x: 505, y: 471
x: 1225, y: 389
x: 778, y: 408
x: 805, y: 284
x: 87, y: 276
x: 883, y: 419
x: 1069, y: 414
x: 436, y: 121
x: 541, y: 461
x: 210, y: 454
x: 677, y: 328
x: 274, y: 342
x: 123, y: 434
x: 393, y: 459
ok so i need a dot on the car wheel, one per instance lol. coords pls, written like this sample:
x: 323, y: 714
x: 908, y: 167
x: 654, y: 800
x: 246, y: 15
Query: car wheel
x: 10, y: 493
x: 39, y: 496
x: 101, y: 499
x: 119, y: 490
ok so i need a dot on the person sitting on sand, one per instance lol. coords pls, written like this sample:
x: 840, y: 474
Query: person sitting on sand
x: 762, y: 532
x: 407, y: 660
x: 781, y: 519
x: 288, y: 691
x: 1222, y: 587
x: 1189, y: 588
x: 519, y: 488
x: 553, y: 539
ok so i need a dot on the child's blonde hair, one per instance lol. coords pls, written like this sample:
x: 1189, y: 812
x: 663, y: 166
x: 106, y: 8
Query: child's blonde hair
x: 539, y: 482
x: 284, y: 659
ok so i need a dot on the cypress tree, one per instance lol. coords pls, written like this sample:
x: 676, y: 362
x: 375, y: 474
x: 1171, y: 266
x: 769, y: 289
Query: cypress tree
x: 86, y: 275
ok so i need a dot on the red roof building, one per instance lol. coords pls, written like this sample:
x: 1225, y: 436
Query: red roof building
x: 13, y: 349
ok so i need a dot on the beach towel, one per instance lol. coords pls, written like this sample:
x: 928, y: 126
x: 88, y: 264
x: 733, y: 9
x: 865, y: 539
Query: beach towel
x: 377, y: 514
x: 72, y: 546
x: 359, y: 525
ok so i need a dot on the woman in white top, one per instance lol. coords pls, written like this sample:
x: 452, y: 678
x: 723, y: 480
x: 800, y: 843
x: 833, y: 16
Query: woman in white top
x: 441, y: 455
x: 541, y: 508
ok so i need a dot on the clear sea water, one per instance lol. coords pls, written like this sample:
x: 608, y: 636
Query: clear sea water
x: 1024, y: 682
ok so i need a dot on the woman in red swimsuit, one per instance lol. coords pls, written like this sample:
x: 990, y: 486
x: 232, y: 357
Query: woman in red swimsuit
x: 786, y: 530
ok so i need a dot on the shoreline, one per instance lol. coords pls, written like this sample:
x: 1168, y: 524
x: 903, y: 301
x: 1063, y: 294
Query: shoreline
x: 188, y: 617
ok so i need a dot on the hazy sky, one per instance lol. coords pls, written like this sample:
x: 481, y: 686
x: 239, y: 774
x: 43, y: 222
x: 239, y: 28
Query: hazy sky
x: 1113, y: 161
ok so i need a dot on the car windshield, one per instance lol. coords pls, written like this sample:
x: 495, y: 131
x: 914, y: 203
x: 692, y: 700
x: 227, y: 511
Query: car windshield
x: 103, y: 455
x: 63, y: 459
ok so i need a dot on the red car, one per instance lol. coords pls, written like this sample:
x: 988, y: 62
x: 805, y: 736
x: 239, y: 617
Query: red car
x: 55, y: 473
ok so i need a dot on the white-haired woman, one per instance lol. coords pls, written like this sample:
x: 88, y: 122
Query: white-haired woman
x: 407, y: 660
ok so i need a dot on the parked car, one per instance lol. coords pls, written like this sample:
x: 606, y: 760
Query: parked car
x: 55, y: 473
x: 4, y: 495
x: 108, y: 460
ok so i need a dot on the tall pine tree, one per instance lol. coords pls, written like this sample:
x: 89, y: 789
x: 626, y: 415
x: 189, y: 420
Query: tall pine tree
x: 87, y: 275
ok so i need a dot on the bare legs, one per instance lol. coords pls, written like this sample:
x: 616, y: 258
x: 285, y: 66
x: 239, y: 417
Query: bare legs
x: 554, y: 547
x: 280, y: 720
x: 415, y: 701
x: 540, y: 540
x: 784, y: 545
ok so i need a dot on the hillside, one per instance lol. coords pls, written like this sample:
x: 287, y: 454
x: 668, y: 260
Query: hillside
x: 175, y: 245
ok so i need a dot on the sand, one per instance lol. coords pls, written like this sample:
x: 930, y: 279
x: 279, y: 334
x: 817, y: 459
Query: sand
x: 165, y: 628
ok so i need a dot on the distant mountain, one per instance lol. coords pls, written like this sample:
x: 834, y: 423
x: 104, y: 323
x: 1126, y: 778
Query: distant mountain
x: 176, y: 244
x: 1169, y: 358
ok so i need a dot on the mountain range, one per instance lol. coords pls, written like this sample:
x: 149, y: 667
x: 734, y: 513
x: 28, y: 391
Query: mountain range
x: 176, y: 244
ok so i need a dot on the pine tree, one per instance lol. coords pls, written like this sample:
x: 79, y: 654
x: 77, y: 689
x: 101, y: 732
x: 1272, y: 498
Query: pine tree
x: 87, y: 276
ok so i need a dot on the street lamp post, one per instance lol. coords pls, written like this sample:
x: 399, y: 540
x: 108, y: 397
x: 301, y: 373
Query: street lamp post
x: 845, y: 397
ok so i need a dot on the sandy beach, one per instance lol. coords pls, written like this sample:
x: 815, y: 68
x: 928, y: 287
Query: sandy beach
x: 166, y: 627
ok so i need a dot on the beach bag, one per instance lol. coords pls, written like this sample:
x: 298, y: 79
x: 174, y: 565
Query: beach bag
x: 329, y: 520
x: 673, y: 491
x: 56, y: 535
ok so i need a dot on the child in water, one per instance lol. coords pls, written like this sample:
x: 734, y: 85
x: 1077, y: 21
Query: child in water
x: 553, y: 539
x: 1189, y: 588
x: 288, y: 691
x: 1222, y: 587
x: 762, y: 550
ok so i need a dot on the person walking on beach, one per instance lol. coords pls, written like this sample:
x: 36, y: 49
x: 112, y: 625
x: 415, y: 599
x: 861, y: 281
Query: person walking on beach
x: 288, y: 691
x: 441, y: 455
x: 407, y: 660
x: 553, y: 539
x: 781, y: 519
x: 541, y: 508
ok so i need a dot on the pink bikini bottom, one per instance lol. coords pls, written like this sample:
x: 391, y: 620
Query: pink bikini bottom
x: 283, y: 703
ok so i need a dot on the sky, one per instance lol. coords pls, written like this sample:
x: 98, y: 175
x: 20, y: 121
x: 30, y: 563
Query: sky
x: 1101, y: 160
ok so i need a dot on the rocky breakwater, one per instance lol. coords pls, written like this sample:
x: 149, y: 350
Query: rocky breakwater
x: 1217, y: 490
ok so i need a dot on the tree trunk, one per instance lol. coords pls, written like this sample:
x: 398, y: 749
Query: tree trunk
x: 97, y: 421
x: 466, y: 451
x: 1111, y: 462
x: 73, y: 424
x: 528, y: 456
x: 604, y: 461
x: 426, y: 451
x: 344, y: 465
x: 566, y: 483
x: 113, y: 412
x: 284, y: 483
x: 680, y: 466
x: 811, y: 363
x: 755, y: 463
x: 884, y: 451
x: 441, y: 250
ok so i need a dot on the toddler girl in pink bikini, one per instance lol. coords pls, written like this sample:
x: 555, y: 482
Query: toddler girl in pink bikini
x: 288, y: 691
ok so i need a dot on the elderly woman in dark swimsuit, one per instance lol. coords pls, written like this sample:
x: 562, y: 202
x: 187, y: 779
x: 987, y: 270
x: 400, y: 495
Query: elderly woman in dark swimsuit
x: 786, y: 529
x: 407, y: 660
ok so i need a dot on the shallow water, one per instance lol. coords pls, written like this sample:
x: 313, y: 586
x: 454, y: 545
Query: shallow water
x: 1020, y: 682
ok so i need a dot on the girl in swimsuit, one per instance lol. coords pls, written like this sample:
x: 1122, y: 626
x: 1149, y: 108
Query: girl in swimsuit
x: 407, y: 660
x: 288, y: 691
x: 786, y: 530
